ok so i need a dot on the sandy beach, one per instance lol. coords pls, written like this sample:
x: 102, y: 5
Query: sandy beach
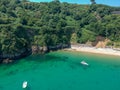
x: 108, y: 51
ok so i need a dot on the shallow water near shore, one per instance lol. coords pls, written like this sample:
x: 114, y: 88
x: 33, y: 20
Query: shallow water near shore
x: 62, y: 70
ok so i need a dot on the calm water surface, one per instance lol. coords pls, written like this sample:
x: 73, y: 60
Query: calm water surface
x: 61, y: 70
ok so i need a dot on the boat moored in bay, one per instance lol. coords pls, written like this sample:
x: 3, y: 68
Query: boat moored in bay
x: 24, y: 85
x: 84, y: 63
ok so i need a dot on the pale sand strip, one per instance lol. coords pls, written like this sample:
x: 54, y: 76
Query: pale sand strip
x: 107, y: 51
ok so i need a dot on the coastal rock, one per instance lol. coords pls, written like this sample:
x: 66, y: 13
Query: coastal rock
x: 6, y: 61
x: 39, y: 49
x: 8, y: 58
x: 45, y: 49
x: 35, y: 49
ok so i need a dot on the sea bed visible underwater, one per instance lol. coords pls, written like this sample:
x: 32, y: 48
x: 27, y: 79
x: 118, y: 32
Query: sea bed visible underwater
x: 62, y: 70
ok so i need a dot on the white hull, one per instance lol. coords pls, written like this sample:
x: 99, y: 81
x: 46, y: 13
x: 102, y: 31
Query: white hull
x: 24, y: 84
x: 84, y: 63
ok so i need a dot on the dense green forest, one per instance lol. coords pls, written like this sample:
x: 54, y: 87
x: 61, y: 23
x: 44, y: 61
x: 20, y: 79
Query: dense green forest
x: 24, y: 23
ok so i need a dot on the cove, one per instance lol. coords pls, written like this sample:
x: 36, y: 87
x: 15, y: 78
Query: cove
x: 62, y: 70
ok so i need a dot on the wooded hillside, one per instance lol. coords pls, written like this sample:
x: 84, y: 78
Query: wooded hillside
x: 24, y: 23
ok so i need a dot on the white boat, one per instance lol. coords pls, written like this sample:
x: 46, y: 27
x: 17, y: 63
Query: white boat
x: 24, y: 84
x: 84, y: 63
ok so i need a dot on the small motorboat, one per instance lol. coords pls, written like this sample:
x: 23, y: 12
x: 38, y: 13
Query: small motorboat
x: 24, y: 85
x: 84, y: 63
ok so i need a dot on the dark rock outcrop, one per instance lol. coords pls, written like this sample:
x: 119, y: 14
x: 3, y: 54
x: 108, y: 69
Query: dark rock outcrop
x: 8, y: 58
x: 45, y: 49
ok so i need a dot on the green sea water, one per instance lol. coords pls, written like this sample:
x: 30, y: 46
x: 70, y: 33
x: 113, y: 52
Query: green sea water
x: 62, y: 70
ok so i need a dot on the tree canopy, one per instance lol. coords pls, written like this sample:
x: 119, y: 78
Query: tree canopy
x: 24, y: 23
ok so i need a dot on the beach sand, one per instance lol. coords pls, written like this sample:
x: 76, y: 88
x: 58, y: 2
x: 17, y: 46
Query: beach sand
x: 107, y: 51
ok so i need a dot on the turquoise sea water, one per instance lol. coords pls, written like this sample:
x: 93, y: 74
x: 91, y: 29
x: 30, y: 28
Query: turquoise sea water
x: 62, y: 70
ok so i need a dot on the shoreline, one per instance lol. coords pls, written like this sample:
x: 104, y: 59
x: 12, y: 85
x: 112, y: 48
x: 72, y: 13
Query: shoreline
x: 104, y: 51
